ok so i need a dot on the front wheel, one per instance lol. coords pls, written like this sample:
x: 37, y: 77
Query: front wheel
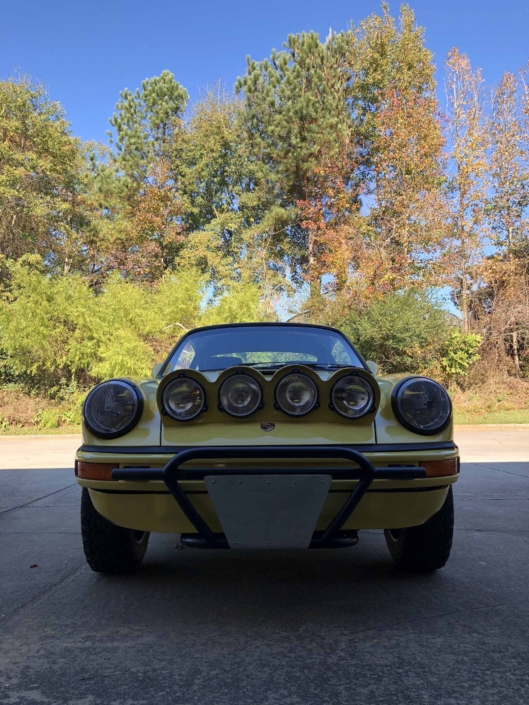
x: 109, y: 548
x: 427, y: 547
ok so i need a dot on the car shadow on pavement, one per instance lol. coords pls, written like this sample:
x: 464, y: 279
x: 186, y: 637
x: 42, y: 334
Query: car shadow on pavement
x: 359, y: 585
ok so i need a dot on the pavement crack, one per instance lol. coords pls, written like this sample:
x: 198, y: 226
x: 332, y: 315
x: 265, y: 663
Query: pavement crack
x: 494, y: 531
x: 20, y: 506
x: 491, y: 499
x: 35, y: 601
x: 428, y: 617
x: 491, y: 467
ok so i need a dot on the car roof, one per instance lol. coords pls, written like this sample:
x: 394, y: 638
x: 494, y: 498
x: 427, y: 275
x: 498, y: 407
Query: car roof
x: 265, y: 323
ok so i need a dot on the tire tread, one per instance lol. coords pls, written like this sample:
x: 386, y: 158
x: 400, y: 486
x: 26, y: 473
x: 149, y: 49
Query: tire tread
x: 427, y: 547
x: 108, y: 548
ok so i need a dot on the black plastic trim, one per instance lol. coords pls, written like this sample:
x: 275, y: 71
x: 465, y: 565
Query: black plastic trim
x: 375, y: 490
x: 400, y: 418
x: 126, y: 429
x: 362, y: 448
x: 195, y: 473
x: 397, y: 490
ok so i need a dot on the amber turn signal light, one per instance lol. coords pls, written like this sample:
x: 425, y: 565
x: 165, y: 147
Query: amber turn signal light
x: 440, y: 468
x: 95, y: 471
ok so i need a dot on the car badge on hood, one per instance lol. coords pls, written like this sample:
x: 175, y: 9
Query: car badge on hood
x: 268, y: 426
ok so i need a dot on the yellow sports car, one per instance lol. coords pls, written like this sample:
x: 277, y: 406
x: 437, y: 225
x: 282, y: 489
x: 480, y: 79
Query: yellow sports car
x: 267, y: 436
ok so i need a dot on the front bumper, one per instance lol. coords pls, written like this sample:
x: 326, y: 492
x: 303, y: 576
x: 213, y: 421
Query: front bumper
x: 361, y: 495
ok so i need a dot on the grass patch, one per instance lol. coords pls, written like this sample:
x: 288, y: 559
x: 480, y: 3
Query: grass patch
x: 501, y: 400
x: 36, y: 431
x: 507, y: 416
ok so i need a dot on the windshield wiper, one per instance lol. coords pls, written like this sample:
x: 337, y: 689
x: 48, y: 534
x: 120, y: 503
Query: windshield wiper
x: 278, y: 365
x: 318, y: 365
x: 323, y: 366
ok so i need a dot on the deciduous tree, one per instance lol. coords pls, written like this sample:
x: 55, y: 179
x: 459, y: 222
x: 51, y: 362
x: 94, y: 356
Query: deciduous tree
x: 44, y: 204
x: 467, y: 177
x: 509, y: 167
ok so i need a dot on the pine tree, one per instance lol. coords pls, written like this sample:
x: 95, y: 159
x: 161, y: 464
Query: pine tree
x: 145, y: 122
x: 235, y: 227
x: 297, y: 118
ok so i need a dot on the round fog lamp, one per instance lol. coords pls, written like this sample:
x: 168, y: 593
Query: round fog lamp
x: 183, y: 399
x: 352, y: 396
x: 240, y: 395
x: 296, y: 394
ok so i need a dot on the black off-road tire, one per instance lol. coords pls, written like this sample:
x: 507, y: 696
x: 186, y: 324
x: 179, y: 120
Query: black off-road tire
x: 109, y: 548
x: 424, y: 548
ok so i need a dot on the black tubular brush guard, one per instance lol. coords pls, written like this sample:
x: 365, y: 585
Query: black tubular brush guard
x: 173, y: 472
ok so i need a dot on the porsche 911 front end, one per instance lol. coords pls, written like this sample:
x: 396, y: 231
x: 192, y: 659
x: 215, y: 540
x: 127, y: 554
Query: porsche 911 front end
x: 267, y: 436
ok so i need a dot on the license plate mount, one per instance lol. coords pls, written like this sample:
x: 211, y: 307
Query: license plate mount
x: 268, y: 511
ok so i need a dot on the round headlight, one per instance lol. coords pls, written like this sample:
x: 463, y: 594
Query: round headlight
x: 183, y: 399
x: 422, y: 405
x: 352, y: 396
x: 112, y: 409
x: 240, y: 395
x: 296, y: 394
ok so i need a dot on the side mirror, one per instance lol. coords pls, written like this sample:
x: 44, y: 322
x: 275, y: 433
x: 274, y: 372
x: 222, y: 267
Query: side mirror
x: 373, y: 367
x: 156, y: 369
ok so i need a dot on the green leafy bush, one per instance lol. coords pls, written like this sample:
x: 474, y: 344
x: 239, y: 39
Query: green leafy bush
x: 57, y: 335
x: 460, y: 353
x: 49, y: 418
x: 401, y: 332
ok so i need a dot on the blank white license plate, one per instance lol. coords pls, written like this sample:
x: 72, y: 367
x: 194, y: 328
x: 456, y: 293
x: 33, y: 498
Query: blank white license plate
x: 268, y: 511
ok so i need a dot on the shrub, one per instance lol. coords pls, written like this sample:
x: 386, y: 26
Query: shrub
x: 401, y: 332
x: 56, y: 334
x: 49, y: 418
x: 460, y: 353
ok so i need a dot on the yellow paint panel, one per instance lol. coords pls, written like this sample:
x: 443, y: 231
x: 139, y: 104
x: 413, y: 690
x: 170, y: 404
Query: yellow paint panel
x: 377, y: 510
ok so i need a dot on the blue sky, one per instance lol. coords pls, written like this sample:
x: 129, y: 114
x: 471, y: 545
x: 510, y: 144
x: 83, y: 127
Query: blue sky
x: 86, y: 53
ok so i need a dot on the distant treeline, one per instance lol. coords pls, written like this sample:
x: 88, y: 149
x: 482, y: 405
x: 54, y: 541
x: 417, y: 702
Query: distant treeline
x: 329, y: 183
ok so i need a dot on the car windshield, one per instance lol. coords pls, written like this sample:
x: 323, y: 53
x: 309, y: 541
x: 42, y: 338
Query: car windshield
x: 262, y: 347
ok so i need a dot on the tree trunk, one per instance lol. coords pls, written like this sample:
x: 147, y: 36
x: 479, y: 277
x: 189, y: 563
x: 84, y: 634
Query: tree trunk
x: 464, y: 303
x: 515, y: 353
x: 314, y: 280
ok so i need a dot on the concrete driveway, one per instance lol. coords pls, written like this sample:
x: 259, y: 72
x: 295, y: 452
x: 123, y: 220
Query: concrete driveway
x: 206, y: 628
